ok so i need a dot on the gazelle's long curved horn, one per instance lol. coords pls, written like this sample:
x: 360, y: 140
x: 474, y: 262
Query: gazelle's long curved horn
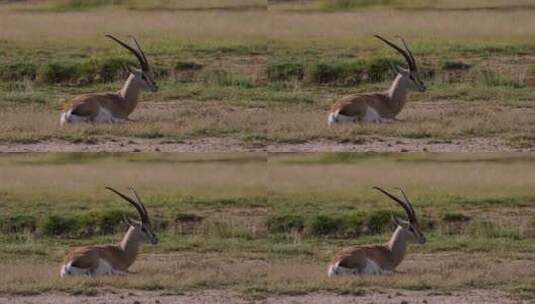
x: 409, y: 52
x: 144, y: 65
x: 140, y: 51
x: 140, y: 211
x: 412, y: 65
x: 408, y: 202
x: 406, y: 207
x: 138, y: 199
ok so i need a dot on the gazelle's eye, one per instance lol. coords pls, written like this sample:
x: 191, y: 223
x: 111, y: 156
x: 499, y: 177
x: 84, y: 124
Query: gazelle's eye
x: 144, y: 229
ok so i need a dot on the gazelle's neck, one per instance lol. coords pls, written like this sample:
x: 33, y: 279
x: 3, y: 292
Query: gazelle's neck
x: 398, y: 93
x: 130, y: 93
x: 398, y: 245
x: 130, y: 246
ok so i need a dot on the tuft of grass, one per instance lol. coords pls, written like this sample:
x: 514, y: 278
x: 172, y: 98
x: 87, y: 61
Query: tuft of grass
x: 285, y: 71
x: 488, y: 229
x: 225, y: 78
x: 494, y: 79
x: 187, y: 65
x: 350, y: 4
x: 455, y: 217
x: 455, y: 65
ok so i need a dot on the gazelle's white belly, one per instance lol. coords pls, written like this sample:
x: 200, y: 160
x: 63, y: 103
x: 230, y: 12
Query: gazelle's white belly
x: 372, y: 115
x: 103, y: 268
x: 371, y: 268
x: 103, y: 116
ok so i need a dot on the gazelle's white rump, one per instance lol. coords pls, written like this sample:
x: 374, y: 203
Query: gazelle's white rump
x: 336, y: 117
x: 69, y: 270
x: 69, y: 118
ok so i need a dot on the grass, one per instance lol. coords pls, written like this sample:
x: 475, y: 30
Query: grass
x: 283, y: 218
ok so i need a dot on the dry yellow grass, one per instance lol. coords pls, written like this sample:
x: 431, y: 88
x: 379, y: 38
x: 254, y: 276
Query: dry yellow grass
x: 63, y: 178
x: 476, y: 178
x: 358, y: 27
x: 355, y: 28
x: 88, y: 28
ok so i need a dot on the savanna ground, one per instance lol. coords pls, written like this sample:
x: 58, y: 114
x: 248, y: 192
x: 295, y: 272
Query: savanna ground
x: 248, y: 76
x: 240, y: 228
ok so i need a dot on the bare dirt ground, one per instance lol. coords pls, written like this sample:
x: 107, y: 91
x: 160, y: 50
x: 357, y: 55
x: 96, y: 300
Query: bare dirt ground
x: 224, y: 297
x: 400, y: 145
x: 208, y: 144
x: 213, y: 144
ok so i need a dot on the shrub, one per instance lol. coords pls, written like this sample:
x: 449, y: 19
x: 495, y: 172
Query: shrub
x: 187, y: 66
x: 55, y: 225
x: 346, y: 73
x: 18, y: 71
x: 109, y: 221
x: 56, y: 72
x: 352, y: 224
x: 284, y: 71
x: 285, y: 223
x: 188, y: 217
x: 111, y: 69
x: 19, y: 223
x: 323, y: 225
x: 380, y: 68
x: 455, y: 217
x: 455, y: 65
x: 378, y: 221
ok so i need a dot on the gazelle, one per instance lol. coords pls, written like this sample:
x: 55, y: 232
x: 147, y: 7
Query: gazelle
x: 112, y: 107
x: 380, y: 107
x: 112, y: 259
x: 380, y: 259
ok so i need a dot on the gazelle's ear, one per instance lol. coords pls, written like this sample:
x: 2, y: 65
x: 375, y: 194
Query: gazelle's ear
x: 395, y: 68
x: 399, y: 222
x: 131, y: 69
x: 128, y: 220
